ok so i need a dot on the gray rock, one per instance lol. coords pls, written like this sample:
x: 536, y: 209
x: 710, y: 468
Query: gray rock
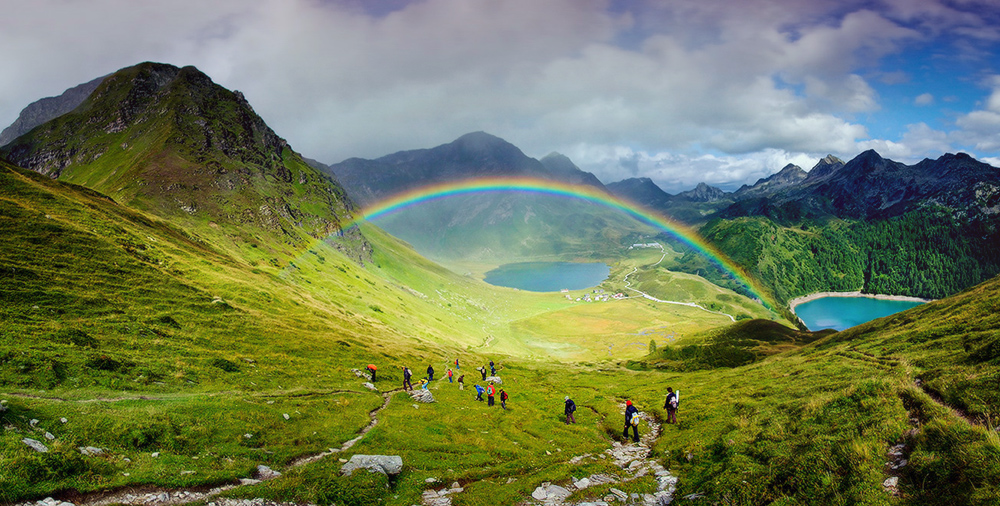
x: 891, y: 482
x: 49, y: 436
x: 33, y: 422
x: 582, y: 484
x: 539, y: 494
x: 621, y: 494
x: 385, y: 464
x: 63, y: 420
x: 370, y: 386
x: 421, y: 395
x: 35, y: 445
x: 494, y: 379
x: 556, y: 493
x: 91, y: 451
x: 266, y: 473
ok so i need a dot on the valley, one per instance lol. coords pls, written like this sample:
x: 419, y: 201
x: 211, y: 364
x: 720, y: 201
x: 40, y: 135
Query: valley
x: 184, y: 298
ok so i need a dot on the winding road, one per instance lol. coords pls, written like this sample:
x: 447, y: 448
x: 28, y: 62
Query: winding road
x: 628, y: 286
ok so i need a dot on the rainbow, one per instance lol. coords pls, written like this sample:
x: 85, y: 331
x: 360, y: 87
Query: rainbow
x: 527, y: 185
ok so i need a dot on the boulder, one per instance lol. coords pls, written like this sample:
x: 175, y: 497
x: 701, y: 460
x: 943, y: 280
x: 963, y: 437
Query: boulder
x: 421, y: 395
x: 266, y: 473
x: 494, y: 379
x: 370, y: 386
x: 539, y: 494
x: 35, y: 445
x: 386, y: 464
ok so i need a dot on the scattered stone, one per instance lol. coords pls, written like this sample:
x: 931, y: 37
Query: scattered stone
x: 49, y: 436
x: 416, y: 406
x: 154, y: 454
x: 248, y: 481
x: 539, y: 494
x: 891, y: 483
x: 428, y: 480
x: 35, y: 445
x: 621, y: 494
x: 248, y: 435
x: 285, y: 415
x: 386, y: 464
x: 91, y: 451
x: 421, y: 395
x: 494, y: 379
x: 33, y: 422
x: 370, y: 386
x: 582, y: 483
x: 187, y: 472
x: 63, y: 420
x: 265, y: 473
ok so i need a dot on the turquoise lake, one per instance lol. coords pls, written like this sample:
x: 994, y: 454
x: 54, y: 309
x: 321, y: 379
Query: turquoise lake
x: 548, y: 276
x: 845, y: 312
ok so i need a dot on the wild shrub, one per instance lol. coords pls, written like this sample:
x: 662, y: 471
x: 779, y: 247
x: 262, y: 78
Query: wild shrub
x: 225, y: 365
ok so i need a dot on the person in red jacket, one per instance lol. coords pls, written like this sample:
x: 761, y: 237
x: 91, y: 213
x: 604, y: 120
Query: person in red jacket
x: 490, y: 392
x: 503, y: 399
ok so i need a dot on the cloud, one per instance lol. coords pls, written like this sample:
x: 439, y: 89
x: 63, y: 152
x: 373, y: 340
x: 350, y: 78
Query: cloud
x: 924, y: 99
x: 680, y: 90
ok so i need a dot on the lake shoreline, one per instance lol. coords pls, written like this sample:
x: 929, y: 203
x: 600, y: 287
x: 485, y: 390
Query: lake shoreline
x: 819, y: 295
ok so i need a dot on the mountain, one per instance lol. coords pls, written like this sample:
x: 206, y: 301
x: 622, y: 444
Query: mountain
x: 703, y: 193
x: 170, y: 142
x: 788, y: 176
x: 642, y: 191
x: 47, y: 109
x: 487, y: 227
x: 871, y: 187
x: 561, y: 168
x: 872, y: 224
x: 473, y: 155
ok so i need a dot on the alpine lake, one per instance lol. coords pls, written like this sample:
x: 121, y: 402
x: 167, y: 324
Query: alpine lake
x: 840, y: 313
x: 548, y: 276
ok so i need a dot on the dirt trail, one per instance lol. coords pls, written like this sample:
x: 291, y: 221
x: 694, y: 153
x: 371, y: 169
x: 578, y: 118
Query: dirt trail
x: 155, y: 496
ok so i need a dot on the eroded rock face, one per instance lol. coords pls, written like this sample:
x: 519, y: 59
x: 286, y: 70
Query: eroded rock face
x: 389, y: 465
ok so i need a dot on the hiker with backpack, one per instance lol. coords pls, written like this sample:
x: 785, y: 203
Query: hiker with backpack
x: 482, y: 371
x: 430, y: 373
x: 461, y: 382
x: 371, y: 368
x: 449, y: 376
x: 503, y: 399
x: 479, y: 392
x: 671, y: 405
x: 631, y: 420
x: 569, y: 409
x: 407, y: 374
x: 490, y: 392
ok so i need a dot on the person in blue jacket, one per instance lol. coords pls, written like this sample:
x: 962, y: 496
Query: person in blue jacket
x: 630, y: 413
x: 479, y: 392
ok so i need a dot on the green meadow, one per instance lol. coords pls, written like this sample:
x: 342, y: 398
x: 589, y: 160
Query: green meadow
x: 147, y: 339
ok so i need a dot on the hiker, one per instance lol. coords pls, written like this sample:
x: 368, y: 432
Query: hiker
x: 493, y: 369
x: 424, y: 383
x: 449, y: 377
x: 490, y: 392
x: 631, y: 420
x: 503, y: 399
x: 407, y: 374
x: 461, y: 382
x: 371, y: 368
x: 671, y: 406
x: 479, y: 392
x: 482, y: 370
x: 457, y: 367
x: 430, y: 373
x: 569, y: 409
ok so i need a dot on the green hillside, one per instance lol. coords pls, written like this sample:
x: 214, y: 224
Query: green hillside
x: 927, y: 253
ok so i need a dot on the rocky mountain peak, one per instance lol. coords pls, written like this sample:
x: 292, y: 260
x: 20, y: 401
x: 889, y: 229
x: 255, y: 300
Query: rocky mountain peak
x: 48, y: 109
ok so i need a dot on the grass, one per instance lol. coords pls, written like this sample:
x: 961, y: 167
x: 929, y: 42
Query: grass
x: 148, y: 340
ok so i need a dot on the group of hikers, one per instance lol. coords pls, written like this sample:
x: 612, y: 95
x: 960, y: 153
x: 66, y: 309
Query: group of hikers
x: 631, y: 412
x: 490, y: 390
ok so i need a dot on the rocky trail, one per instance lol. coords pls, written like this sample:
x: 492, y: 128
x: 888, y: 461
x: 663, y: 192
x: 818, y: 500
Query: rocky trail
x: 632, y: 459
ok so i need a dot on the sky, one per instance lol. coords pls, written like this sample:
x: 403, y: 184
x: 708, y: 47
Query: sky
x: 679, y: 91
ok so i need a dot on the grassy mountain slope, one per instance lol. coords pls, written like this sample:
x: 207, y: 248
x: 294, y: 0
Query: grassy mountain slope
x: 170, y: 142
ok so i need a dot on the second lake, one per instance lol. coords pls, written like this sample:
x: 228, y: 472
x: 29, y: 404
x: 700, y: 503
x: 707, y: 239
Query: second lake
x: 841, y: 313
x: 548, y: 276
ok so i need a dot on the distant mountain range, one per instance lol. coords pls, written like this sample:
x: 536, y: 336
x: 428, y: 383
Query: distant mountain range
x: 490, y: 226
x: 471, y: 156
